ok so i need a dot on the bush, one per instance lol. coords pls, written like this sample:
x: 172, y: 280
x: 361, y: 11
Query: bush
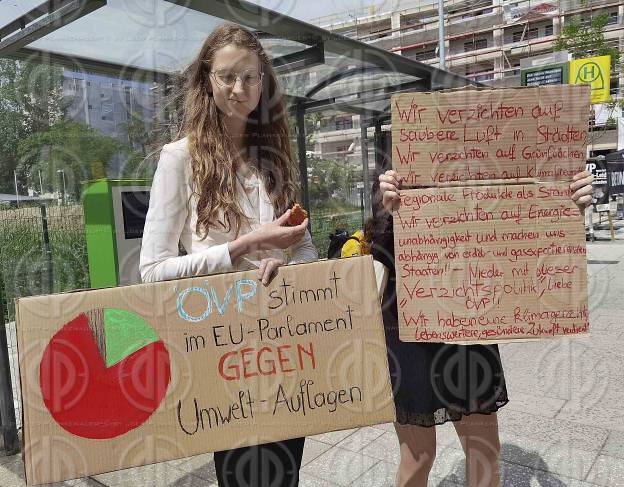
x: 25, y: 267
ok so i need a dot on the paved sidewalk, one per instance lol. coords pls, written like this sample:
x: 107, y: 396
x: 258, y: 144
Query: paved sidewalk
x: 564, y: 425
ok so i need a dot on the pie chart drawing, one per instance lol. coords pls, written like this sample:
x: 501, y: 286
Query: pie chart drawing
x: 104, y: 373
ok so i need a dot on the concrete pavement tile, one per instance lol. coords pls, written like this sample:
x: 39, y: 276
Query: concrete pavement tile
x: 333, y: 437
x: 381, y: 475
x: 530, y: 403
x: 435, y: 482
x: 156, y: 475
x: 513, y: 475
x: 607, y: 471
x: 446, y: 436
x: 598, y: 417
x: 385, y: 426
x: 385, y: 448
x: 339, y: 466
x: 447, y: 461
x: 562, y: 369
x: 555, y: 431
x: 190, y: 480
x: 559, y: 459
x: 9, y: 478
x: 312, y: 450
x: 9, y: 459
x: 306, y: 480
x: 88, y: 482
x: 360, y: 439
x: 614, y: 447
x: 201, y: 466
x: 14, y: 465
x: 12, y: 475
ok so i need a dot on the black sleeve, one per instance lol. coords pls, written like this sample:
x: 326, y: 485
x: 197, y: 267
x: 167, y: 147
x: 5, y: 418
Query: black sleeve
x: 382, y: 247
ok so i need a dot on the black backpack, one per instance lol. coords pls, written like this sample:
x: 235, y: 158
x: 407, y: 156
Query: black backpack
x: 336, y: 241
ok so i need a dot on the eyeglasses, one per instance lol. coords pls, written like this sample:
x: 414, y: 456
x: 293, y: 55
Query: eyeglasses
x: 248, y: 77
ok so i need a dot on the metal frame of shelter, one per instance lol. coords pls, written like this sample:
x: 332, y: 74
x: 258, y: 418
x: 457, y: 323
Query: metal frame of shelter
x: 355, y: 59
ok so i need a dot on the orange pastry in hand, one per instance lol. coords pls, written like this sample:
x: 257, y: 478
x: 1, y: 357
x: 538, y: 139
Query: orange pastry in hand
x: 297, y: 215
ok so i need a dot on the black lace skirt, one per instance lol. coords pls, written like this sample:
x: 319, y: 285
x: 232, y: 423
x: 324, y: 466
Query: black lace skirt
x: 436, y: 382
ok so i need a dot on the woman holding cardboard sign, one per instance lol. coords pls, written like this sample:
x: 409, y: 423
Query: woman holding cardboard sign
x: 436, y: 382
x: 223, y: 192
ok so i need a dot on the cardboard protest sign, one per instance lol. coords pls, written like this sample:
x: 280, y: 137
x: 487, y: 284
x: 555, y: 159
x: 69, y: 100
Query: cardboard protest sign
x: 494, y: 248
x: 484, y: 135
x: 122, y: 377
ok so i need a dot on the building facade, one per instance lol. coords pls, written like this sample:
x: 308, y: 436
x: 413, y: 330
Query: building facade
x: 485, y: 40
x: 108, y: 104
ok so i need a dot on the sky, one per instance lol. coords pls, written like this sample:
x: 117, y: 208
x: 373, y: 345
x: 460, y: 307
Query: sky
x: 308, y: 10
x: 303, y: 10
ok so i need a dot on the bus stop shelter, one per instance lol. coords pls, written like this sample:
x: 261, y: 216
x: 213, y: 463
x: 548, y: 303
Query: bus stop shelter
x: 154, y: 40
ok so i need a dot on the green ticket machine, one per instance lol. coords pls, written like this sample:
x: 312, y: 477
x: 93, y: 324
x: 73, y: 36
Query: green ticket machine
x: 114, y: 214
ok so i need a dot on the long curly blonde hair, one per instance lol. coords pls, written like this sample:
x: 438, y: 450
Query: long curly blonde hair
x: 212, y: 151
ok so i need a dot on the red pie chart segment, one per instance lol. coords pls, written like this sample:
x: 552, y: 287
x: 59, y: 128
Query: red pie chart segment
x: 91, y: 400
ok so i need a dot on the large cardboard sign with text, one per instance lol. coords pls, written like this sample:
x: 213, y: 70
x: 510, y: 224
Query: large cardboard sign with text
x: 127, y: 376
x: 494, y: 248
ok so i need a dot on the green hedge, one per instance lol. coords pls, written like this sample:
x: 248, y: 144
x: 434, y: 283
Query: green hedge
x: 24, y: 265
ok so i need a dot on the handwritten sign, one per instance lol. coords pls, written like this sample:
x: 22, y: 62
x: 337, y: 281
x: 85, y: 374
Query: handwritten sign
x: 484, y: 135
x: 494, y: 248
x: 121, y: 377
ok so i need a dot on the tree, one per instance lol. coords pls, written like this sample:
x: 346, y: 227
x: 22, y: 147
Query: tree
x: 330, y: 182
x: 585, y: 41
x: 30, y: 101
x: 136, y: 130
x: 69, y: 150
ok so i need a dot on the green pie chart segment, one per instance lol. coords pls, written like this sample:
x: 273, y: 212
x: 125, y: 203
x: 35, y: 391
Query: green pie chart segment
x: 125, y: 333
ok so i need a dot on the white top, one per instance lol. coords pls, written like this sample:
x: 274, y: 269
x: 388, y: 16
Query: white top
x: 172, y: 218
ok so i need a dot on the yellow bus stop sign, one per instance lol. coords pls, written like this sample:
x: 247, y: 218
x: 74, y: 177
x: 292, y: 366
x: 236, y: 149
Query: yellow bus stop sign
x: 595, y: 71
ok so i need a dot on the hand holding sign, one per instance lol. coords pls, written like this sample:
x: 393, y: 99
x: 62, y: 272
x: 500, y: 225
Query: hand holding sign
x: 389, y: 185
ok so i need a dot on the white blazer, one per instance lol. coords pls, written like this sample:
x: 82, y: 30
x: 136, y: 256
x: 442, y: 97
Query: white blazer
x: 172, y: 219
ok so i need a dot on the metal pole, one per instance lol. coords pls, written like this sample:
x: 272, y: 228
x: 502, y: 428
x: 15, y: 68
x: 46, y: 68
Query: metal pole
x: 365, y: 175
x: 303, y: 163
x: 46, y: 248
x: 441, y: 42
x: 16, y: 192
x: 64, y: 187
x: 7, y: 406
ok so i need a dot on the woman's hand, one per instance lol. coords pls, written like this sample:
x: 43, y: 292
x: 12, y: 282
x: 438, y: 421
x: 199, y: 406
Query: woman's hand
x: 274, y: 235
x: 582, y: 190
x: 268, y: 268
x: 277, y: 234
x: 389, y: 186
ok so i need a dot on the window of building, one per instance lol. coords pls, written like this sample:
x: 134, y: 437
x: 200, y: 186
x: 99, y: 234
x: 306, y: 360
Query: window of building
x: 549, y: 30
x: 613, y: 18
x: 533, y: 33
x: 344, y: 122
x: 517, y: 36
x: 481, y: 75
x: 476, y: 44
x: 424, y: 55
x: 342, y: 148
